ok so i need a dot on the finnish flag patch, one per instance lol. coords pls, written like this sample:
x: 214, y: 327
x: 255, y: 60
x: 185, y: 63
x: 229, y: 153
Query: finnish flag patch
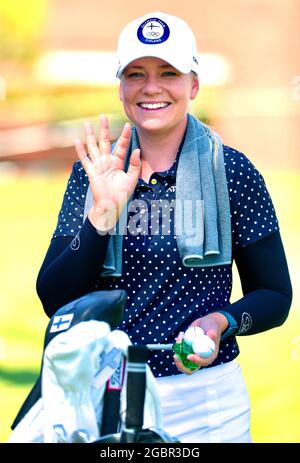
x: 61, y: 322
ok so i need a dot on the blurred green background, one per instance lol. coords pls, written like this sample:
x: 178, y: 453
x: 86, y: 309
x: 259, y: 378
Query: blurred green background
x: 56, y: 70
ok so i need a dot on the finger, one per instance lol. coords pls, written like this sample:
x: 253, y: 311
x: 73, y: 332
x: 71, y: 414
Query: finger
x: 82, y: 154
x: 91, y: 140
x: 135, y: 164
x: 180, y: 337
x: 123, y: 142
x: 200, y: 361
x: 180, y: 365
x: 104, y: 136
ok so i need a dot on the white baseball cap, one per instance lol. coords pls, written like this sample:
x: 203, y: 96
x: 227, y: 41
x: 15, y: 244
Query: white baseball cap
x: 159, y: 35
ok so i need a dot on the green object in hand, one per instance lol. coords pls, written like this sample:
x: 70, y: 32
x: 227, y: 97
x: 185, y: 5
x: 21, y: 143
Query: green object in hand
x: 182, y: 349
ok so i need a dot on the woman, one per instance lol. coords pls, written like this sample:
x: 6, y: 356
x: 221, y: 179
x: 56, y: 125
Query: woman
x: 167, y: 168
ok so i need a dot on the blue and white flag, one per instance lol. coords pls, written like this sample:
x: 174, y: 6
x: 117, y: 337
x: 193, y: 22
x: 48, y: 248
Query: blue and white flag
x: 61, y: 322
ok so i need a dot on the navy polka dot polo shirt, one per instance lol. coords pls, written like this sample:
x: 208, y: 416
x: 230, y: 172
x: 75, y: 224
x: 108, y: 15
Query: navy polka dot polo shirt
x: 164, y: 297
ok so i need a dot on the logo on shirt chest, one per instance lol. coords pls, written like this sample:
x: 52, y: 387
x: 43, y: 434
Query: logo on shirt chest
x: 172, y: 188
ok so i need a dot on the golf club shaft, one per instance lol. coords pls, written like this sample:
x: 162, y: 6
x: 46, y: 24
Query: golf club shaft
x: 159, y: 346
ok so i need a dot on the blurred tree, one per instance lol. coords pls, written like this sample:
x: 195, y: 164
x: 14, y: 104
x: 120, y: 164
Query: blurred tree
x: 21, y: 24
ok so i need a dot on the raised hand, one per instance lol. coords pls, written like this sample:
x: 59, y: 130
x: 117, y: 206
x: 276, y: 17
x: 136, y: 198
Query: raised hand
x: 110, y: 185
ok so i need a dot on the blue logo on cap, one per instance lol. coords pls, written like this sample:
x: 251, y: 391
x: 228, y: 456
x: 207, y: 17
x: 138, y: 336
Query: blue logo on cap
x: 153, y: 31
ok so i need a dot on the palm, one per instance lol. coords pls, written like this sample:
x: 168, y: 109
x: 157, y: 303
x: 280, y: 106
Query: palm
x: 108, y: 181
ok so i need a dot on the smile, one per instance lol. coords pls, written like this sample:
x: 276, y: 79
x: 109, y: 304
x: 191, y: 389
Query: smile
x: 158, y: 105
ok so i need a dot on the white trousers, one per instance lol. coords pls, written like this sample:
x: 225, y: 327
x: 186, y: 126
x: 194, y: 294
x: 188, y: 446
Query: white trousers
x: 211, y: 405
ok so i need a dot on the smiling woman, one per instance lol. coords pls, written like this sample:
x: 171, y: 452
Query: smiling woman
x: 173, y: 168
x: 156, y: 98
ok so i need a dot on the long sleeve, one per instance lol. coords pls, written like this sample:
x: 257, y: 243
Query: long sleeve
x: 71, y: 267
x: 266, y: 286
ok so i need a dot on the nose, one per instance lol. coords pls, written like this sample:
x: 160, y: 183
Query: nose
x: 151, y: 86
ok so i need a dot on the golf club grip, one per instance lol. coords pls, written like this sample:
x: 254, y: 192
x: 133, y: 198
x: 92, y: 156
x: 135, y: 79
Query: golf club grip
x: 136, y: 386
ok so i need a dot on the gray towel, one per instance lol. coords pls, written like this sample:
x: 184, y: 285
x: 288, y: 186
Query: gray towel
x: 202, y: 209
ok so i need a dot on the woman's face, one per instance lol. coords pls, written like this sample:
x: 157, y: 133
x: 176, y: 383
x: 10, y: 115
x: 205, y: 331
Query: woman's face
x: 155, y: 95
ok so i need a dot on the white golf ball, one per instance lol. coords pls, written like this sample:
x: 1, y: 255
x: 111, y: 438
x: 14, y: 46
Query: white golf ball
x: 192, y: 333
x: 203, y: 346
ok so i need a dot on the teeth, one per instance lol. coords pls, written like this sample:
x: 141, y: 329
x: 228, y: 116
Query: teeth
x: 153, y: 105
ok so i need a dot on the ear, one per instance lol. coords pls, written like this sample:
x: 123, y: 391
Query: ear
x: 195, y: 86
x: 121, y: 91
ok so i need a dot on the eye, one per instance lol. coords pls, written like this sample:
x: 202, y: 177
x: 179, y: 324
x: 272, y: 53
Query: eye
x: 170, y: 73
x: 135, y: 75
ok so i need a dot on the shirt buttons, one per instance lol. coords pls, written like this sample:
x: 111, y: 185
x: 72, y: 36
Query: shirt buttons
x: 153, y: 181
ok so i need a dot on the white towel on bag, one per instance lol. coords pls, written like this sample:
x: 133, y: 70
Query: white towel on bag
x: 77, y: 365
